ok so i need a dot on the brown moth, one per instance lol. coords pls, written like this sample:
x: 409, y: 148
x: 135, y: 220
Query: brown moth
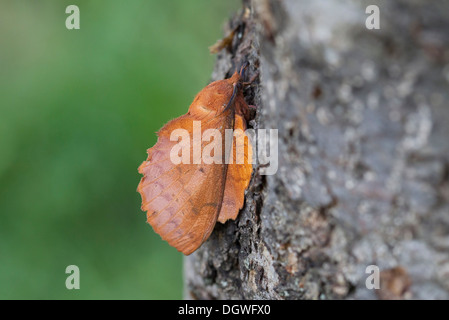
x: 183, y: 201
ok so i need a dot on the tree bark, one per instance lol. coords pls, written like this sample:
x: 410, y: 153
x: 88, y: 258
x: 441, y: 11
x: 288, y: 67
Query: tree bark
x: 363, y: 161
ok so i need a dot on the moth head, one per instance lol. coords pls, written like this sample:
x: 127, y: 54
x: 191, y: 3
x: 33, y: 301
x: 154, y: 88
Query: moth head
x: 217, y: 96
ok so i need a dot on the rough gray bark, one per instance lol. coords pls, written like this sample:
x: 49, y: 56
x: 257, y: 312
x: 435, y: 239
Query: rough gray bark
x: 363, y: 155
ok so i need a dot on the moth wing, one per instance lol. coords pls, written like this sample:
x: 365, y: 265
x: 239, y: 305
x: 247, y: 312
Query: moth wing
x: 238, y: 174
x: 182, y: 201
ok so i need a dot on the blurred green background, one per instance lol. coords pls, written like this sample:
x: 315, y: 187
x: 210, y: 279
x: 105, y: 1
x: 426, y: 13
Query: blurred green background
x: 78, y: 109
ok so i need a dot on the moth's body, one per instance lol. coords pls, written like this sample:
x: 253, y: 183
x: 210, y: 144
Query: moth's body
x: 184, y: 201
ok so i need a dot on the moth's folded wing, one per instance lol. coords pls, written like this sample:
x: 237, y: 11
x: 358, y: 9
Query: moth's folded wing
x: 182, y: 201
x: 238, y: 174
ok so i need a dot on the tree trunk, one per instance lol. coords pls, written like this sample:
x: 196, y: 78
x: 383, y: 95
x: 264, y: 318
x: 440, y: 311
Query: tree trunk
x: 363, y: 174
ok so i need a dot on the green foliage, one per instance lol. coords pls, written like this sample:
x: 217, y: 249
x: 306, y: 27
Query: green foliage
x: 78, y: 109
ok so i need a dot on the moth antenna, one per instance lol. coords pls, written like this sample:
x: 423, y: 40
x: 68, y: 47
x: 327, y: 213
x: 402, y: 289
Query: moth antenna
x: 243, y: 68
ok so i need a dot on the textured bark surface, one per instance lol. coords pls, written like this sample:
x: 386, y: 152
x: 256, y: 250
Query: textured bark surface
x: 363, y: 173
